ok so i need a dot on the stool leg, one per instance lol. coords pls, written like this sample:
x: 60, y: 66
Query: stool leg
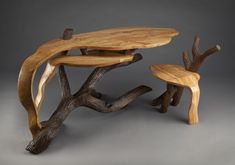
x: 171, y: 89
x: 193, y: 108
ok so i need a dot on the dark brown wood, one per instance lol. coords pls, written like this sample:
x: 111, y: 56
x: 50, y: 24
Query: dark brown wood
x: 171, y: 89
x: 84, y: 51
x: 85, y: 96
x: 64, y: 84
x: 173, y: 95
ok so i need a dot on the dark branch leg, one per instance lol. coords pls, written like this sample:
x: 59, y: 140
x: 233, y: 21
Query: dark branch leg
x: 97, y: 74
x: 118, y: 104
x: 64, y: 83
x: 177, y: 96
x: 50, y: 128
x: 165, y: 99
x: 96, y: 94
x: 86, y: 96
x: 158, y: 100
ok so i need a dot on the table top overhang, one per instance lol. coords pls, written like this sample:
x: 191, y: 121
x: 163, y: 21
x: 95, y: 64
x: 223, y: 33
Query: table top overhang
x: 108, y: 39
x: 116, y: 39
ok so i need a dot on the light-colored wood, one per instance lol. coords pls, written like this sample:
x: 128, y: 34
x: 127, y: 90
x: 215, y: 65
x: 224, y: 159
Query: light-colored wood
x: 178, y: 76
x: 47, y: 75
x: 193, y: 108
x: 76, y: 61
x: 105, y: 52
x: 91, y: 61
x: 175, y: 74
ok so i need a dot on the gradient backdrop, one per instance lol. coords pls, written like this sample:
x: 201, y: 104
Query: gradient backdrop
x: 138, y: 134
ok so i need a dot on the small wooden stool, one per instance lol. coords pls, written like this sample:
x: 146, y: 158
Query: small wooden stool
x: 178, y: 76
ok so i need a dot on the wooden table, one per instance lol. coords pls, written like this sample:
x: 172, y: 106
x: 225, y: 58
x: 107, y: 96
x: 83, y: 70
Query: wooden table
x: 105, y: 50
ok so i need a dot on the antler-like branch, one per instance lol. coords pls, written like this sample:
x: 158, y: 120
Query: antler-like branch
x: 195, y: 48
x: 186, y: 60
x: 210, y: 51
x: 194, y: 65
x: 199, y: 58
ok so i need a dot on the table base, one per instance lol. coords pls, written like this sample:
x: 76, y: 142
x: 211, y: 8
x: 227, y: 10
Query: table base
x: 86, y: 96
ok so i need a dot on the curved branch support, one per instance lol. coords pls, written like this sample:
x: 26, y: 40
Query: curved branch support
x: 88, y: 97
x: 48, y: 74
x: 28, y: 70
x: 26, y: 77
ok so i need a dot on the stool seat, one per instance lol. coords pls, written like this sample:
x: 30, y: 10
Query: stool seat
x: 175, y: 74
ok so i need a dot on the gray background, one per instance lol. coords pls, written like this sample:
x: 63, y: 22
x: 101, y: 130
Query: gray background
x: 138, y: 134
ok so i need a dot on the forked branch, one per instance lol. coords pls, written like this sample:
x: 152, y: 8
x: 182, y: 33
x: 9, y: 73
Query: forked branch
x: 198, y: 58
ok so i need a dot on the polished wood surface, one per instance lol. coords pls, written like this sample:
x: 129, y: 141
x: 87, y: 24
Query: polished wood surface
x: 91, y: 61
x: 177, y: 75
